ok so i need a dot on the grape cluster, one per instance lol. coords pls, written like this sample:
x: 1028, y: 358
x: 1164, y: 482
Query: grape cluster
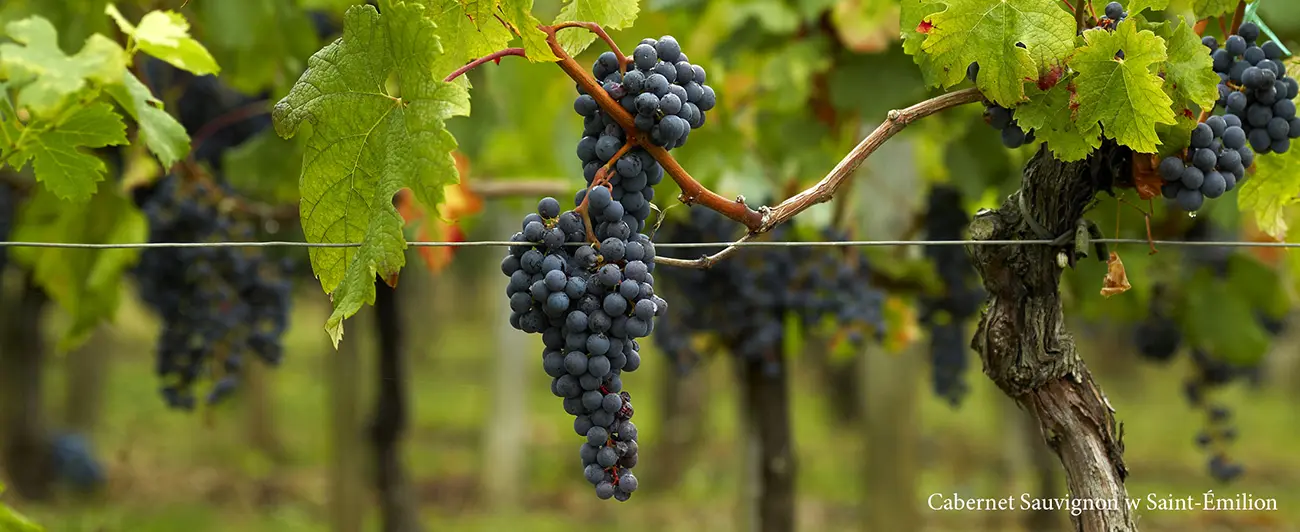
x: 1001, y: 118
x: 216, y: 303
x: 744, y: 300
x: 1255, y: 88
x: 74, y: 463
x: 1114, y: 15
x: 1216, y: 161
x: 590, y: 304
x: 948, y: 313
x: 1158, y: 336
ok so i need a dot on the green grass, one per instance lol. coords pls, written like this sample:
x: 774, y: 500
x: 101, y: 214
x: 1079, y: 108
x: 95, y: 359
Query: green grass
x: 198, y: 473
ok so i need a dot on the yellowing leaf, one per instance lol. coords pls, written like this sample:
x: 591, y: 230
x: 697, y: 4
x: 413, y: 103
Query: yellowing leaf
x: 1122, y: 94
x: 166, y: 35
x: 1116, y: 281
x: 165, y: 136
x: 1137, y: 6
x: 46, y: 77
x: 85, y: 283
x: 1273, y: 186
x: 518, y: 14
x: 378, y: 115
x: 465, y: 36
x: 56, y: 151
x: 987, y: 32
x: 610, y: 14
x: 1212, y: 8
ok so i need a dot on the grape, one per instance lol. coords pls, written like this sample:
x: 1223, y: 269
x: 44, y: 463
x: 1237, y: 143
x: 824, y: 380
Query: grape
x: 1202, y: 136
x: 1114, y: 10
x: 1236, y: 45
x: 1171, y: 168
x: 1190, y: 199
x: 1214, y: 185
x: 216, y: 304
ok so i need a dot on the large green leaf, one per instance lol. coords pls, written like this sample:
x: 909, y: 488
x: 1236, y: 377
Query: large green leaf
x: 1123, y: 94
x: 1212, y: 8
x: 164, y: 136
x: 610, y: 14
x: 45, y: 76
x: 1274, y: 186
x: 987, y: 33
x: 378, y: 125
x: 86, y: 283
x: 518, y: 14
x: 1189, y: 71
x: 166, y: 35
x: 1137, y: 6
x: 911, y: 15
x: 56, y: 150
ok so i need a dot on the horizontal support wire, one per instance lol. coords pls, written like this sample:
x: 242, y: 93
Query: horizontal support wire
x: 664, y: 245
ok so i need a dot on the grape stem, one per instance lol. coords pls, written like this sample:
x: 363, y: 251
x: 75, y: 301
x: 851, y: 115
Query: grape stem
x: 593, y: 27
x: 825, y: 189
x: 1238, y: 15
x: 1078, y: 14
x: 494, y: 57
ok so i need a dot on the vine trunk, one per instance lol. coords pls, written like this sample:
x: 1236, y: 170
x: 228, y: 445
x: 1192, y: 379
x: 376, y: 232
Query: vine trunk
x: 1022, y: 338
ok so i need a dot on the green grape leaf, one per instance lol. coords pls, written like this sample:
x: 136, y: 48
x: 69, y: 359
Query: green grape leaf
x: 1273, y: 186
x: 466, y: 33
x: 518, y: 14
x: 46, y: 77
x: 1051, y: 116
x: 260, y: 43
x: 1174, y: 137
x: 987, y: 33
x: 85, y: 283
x: 610, y: 14
x: 12, y: 521
x: 1137, y: 6
x: 166, y: 35
x: 1203, y: 9
x: 911, y: 15
x: 1123, y: 95
x: 378, y: 124
x: 56, y: 154
x: 164, y: 136
x: 1189, y: 71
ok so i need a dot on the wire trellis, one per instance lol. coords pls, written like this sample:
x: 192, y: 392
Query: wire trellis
x: 664, y: 245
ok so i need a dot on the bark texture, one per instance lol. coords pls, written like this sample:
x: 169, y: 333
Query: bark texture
x: 1022, y: 338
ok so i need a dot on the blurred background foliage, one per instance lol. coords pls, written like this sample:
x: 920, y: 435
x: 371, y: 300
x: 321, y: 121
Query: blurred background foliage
x: 799, y: 82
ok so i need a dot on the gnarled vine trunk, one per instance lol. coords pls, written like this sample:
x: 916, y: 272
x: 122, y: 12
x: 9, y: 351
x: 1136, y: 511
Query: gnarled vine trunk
x: 1022, y: 338
x: 398, y: 508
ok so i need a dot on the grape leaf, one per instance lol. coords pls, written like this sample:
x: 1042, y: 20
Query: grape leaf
x: 164, y: 136
x: 465, y: 35
x: 45, y: 76
x: 1189, y: 71
x: 378, y: 118
x: 987, y: 33
x: 912, y: 14
x: 56, y: 154
x: 85, y: 283
x: 1051, y: 116
x: 1137, y: 6
x: 1274, y: 186
x: 12, y: 521
x: 166, y: 35
x: 610, y: 14
x: 1212, y: 8
x: 1123, y: 95
x: 518, y: 14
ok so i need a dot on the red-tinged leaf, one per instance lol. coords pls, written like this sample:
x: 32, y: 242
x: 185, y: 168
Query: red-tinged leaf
x: 924, y: 27
x: 459, y: 202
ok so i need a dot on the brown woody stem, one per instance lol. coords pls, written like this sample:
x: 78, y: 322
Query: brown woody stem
x: 1237, y: 16
x: 600, y: 32
x: 494, y: 56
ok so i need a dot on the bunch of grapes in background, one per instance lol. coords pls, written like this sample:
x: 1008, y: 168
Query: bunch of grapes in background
x: 1216, y: 161
x: 948, y: 313
x: 218, y: 304
x: 1001, y: 118
x: 1255, y: 88
x: 744, y: 301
